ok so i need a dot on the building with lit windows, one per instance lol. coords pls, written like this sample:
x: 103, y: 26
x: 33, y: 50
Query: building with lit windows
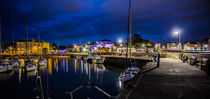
x: 33, y: 47
x: 105, y: 46
x: 168, y: 46
x: 197, y: 45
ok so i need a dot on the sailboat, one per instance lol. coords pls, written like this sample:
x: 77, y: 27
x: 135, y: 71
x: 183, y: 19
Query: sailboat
x: 98, y: 59
x: 129, y: 72
x: 14, y: 62
x: 42, y: 61
x: 5, y: 65
x: 30, y: 65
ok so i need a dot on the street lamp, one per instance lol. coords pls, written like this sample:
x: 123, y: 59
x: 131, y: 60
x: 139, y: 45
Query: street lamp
x: 119, y: 41
x: 143, y: 45
x: 177, y: 33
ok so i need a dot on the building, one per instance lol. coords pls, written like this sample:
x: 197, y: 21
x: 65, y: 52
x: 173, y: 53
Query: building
x: 203, y: 45
x: 105, y: 46
x: 168, y: 46
x: 124, y: 50
x: 33, y: 47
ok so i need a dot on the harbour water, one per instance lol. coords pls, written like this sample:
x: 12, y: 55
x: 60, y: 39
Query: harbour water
x: 61, y: 76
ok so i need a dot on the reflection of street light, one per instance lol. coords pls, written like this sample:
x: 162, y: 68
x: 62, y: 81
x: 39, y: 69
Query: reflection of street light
x: 206, y: 46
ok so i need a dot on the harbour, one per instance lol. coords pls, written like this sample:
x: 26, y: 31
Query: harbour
x: 104, y: 49
x: 60, y: 76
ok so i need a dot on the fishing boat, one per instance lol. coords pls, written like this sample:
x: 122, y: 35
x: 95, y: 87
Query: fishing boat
x: 42, y: 61
x: 98, y: 59
x: 30, y: 65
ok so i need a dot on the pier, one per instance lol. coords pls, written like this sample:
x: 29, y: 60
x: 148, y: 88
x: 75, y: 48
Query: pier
x: 172, y: 80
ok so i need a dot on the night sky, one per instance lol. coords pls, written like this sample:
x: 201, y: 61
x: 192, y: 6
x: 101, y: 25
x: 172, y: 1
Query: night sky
x: 66, y: 21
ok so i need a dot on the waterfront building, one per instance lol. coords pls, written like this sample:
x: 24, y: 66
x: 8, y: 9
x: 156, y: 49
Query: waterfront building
x: 124, y: 50
x: 34, y: 47
x: 168, y: 46
x: 203, y: 45
x: 105, y: 46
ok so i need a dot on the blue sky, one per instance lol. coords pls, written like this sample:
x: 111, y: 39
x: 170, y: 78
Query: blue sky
x: 66, y: 21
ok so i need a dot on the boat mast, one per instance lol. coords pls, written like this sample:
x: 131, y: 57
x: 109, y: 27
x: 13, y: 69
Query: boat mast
x: 39, y: 43
x: 0, y: 39
x: 129, y: 32
x: 13, y: 42
x: 26, y: 38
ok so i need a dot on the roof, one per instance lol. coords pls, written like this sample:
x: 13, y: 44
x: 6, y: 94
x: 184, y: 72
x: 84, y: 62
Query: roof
x: 31, y: 40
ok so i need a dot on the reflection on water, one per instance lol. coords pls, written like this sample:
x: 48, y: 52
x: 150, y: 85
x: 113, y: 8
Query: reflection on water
x: 60, y: 76
x: 50, y: 66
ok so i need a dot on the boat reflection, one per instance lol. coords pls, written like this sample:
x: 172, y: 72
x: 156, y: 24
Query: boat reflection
x: 31, y: 74
x: 6, y: 75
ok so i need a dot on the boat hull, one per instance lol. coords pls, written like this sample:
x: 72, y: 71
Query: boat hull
x: 31, y: 68
x: 98, y: 61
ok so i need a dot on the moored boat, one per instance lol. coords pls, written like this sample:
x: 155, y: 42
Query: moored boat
x: 5, y: 66
x: 42, y: 61
x: 15, y: 62
x: 98, y: 59
x: 30, y: 65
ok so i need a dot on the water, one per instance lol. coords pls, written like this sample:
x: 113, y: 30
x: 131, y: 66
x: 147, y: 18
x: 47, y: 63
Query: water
x: 58, y: 77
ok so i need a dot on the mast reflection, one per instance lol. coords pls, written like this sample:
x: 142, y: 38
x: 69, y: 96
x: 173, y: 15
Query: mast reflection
x: 50, y: 66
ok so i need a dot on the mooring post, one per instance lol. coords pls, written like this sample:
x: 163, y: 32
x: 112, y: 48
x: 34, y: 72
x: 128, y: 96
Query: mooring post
x: 158, y: 59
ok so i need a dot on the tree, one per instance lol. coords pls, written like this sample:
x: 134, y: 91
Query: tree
x: 138, y: 42
x: 62, y: 47
x: 54, y: 46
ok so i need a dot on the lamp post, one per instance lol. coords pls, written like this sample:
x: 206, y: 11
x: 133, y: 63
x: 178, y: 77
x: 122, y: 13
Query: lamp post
x: 120, y: 44
x: 179, y: 44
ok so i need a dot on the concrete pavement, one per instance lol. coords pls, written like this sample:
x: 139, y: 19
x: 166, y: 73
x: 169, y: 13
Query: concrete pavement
x: 172, y: 80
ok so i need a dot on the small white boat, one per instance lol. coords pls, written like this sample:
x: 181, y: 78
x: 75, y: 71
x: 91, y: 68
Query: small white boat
x: 5, y: 66
x: 98, y: 59
x: 15, y: 63
x: 126, y: 76
x: 42, y: 62
x: 129, y: 73
x: 133, y: 69
x: 88, y: 58
x: 30, y: 65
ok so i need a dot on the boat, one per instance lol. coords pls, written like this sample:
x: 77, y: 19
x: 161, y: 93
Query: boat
x: 42, y: 61
x: 98, y: 59
x: 5, y: 66
x: 88, y: 58
x: 130, y: 71
x: 30, y: 65
x: 133, y: 69
x: 15, y: 62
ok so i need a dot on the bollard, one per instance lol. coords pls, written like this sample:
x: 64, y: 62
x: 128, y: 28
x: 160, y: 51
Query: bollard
x: 207, y: 67
x: 181, y: 56
x: 158, y: 59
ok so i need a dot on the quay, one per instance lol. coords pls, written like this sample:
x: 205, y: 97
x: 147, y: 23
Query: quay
x: 172, y: 80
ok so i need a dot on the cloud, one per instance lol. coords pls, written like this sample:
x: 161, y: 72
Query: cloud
x: 65, y: 21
